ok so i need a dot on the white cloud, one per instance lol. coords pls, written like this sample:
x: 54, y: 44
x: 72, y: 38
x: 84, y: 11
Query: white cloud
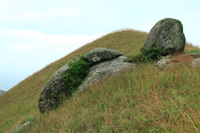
x: 38, y: 42
x: 20, y: 12
x: 23, y: 52
x: 18, y: 47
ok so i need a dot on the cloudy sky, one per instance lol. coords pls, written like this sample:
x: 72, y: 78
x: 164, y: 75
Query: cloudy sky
x: 34, y: 33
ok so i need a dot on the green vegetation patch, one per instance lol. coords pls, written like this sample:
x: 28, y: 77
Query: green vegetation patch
x: 78, y: 69
x: 180, y: 25
x: 194, y: 51
x: 146, y: 55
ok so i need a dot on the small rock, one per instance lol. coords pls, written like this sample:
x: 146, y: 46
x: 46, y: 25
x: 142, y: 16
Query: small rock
x: 22, y: 126
x: 195, y: 55
x: 163, y: 62
x: 166, y: 61
x: 196, y: 62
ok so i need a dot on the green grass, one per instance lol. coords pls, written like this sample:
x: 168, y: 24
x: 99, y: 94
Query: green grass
x: 145, y: 99
x: 194, y: 51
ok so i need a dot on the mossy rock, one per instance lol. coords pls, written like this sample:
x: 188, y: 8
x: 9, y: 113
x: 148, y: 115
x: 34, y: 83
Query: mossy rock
x: 167, y: 34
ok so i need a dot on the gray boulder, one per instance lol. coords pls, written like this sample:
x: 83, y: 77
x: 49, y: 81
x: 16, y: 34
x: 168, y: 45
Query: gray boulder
x: 100, y: 54
x: 167, y: 34
x: 103, y: 62
x: 49, y: 98
x: 103, y: 70
x: 196, y: 62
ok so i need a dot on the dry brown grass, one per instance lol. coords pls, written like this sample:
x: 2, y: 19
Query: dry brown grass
x: 109, y: 105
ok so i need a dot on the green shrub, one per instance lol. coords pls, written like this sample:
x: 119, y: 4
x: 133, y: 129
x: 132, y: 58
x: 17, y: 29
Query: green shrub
x: 194, y: 51
x: 78, y: 69
x: 152, y: 53
x: 145, y: 55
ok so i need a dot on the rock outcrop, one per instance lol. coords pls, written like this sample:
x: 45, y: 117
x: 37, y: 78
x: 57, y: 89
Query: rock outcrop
x: 167, y: 34
x: 103, y: 62
x: 104, y: 69
x: 49, y: 98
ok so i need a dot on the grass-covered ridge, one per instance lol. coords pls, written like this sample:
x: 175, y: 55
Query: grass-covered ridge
x: 143, y: 99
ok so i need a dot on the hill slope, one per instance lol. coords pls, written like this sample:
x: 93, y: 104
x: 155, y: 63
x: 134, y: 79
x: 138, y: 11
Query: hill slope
x: 133, y: 103
x: 1, y: 92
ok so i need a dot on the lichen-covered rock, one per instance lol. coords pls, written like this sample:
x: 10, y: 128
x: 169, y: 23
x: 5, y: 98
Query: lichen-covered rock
x: 101, y: 54
x: 196, y: 62
x: 103, y: 62
x: 104, y: 69
x: 49, y: 98
x: 167, y: 34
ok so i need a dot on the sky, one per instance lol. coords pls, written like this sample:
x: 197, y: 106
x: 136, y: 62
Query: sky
x: 35, y: 33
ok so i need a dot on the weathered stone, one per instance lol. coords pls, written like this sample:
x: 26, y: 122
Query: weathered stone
x: 104, y: 69
x: 103, y: 62
x: 166, y: 61
x: 49, y: 98
x: 196, y: 62
x: 167, y: 34
x: 163, y: 62
x: 101, y: 54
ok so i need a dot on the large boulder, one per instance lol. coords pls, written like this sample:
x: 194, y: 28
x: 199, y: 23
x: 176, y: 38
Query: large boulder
x: 49, y: 98
x: 167, y: 34
x: 103, y: 62
x: 103, y: 70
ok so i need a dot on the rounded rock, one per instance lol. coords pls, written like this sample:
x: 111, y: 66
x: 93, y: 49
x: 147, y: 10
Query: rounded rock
x: 101, y: 54
x: 167, y: 34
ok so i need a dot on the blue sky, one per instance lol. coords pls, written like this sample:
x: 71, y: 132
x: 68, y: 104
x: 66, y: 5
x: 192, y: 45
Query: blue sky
x: 35, y: 33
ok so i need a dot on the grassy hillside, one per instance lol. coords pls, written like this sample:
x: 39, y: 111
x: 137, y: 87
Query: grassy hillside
x: 142, y: 99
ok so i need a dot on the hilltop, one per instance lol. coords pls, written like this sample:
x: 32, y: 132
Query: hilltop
x: 143, y: 99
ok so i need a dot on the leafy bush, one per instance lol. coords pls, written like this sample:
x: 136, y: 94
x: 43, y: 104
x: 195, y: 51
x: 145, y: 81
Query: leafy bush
x: 194, y: 51
x: 78, y: 69
x: 146, y: 55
